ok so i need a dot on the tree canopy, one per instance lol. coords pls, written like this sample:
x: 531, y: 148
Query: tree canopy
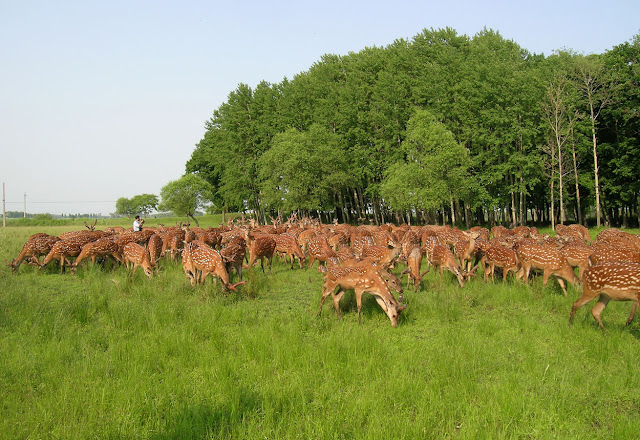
x: 440, y: 126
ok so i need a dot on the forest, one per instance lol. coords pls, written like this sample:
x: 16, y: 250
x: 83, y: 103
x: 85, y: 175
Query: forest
x: 439, y: 128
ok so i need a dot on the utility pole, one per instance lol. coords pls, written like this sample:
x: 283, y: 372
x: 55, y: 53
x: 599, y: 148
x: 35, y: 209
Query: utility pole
x: 4, y: 212
x: 25, y: 206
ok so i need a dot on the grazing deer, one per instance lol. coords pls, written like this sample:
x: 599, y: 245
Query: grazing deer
x: 616, y: 281
x: 209, y: 262
x: 233, y: 255
x: 549, y: 260
x: 381, y: 255
x: 319, y: 249
x: 263, y: 246
x: 137, y: 255
x: 360, y: 279
x: 442, y: 257
x: 499, y: 256
x: 173, y: 244
x: 104, y: 247
x: 288, y: 246
x: 61, y: 251
x: 414, y: 263
x: 34, y: 248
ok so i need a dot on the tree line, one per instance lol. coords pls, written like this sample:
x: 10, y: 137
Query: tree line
x: 437, y: 128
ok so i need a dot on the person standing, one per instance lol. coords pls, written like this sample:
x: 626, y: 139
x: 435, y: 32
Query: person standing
x: 137, y: 224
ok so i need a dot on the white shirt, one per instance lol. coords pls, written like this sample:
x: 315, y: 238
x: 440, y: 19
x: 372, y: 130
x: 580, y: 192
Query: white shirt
x: 136, y: 225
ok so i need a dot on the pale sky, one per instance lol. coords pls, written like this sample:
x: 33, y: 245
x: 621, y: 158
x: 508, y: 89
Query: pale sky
x: 107, y: 99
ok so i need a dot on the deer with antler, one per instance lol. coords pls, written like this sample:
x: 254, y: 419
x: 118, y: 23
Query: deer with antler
x: 360, y: 279
x: 616, y: 281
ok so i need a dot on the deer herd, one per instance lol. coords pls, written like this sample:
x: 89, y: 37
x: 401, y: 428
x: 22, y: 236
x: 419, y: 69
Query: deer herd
x: 362, y: 258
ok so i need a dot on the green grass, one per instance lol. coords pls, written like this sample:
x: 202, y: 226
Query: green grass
x: 102, y: 354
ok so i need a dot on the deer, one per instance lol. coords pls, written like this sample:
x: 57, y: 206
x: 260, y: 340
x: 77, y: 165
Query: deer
x: 465, y: 249
x: 34, y: 248
x: 233, y: 255
x: 61, y: 251
x: 577, y: 255
x: 360, y: 279
x: 499, y: 256
x: 618, y: 281
x: 603, y: 252
x: 173, y: 243
x: 381, y: 255
x: 414, y: 263
x: 549, y: 260
x: 91, y: 227
x: 288, y: 245
x: 319, y: 249
x: 154, y: 246
x: 209, y: 262
x: 104, y: 247
x: 137, y: 255
x: 442, y: 257
x: 263, y: 246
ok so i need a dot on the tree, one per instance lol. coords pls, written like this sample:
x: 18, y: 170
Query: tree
x: 436, y: 169
x: 145, y: 203
x: 124, y: 207
x: 591, y: 79
x: 186, y: 195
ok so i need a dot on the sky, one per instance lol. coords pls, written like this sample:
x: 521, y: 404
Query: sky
x: 107, y: 99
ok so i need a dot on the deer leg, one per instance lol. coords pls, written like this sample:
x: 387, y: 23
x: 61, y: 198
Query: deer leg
x: 359, y: 293
x: 561, y: 282
x: 587, y: 296
x: 599, y: 307
x: 633, y: 311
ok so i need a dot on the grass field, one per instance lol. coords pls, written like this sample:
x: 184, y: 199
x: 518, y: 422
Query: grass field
x: 102, y: 354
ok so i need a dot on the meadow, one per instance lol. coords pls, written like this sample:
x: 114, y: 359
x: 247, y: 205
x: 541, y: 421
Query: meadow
x: 104, y: 354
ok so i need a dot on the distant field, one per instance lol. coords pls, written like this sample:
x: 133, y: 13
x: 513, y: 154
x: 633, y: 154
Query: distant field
x: 102, y: 354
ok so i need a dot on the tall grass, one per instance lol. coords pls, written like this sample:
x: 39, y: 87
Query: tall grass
x: 106, y: 354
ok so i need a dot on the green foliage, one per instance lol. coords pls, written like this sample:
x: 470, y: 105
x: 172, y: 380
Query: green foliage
x: 185, y: 195
x: 141, y: 204
x: 487, y: 92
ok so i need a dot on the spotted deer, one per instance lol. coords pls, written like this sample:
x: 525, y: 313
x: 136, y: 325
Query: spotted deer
x: 233, y: 255
x: 154, y: 246
x: 63, y: 250
x: 414, y: 263
x: 464, y: 249
x: 380, y: 255
x: 499, y: 256
x: 549, y: 260
x: 363, y: 279
x: 263, y: 246
x: 319, y: 249
x: 33, y: 249
x: 135, y: 255
x: 289, y: 247
x: 207, y: 261
x: 618, y: 281
x: 104, y: 247
x: 577, y: 255
x: 603, y: 252
x: 442, y: 258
